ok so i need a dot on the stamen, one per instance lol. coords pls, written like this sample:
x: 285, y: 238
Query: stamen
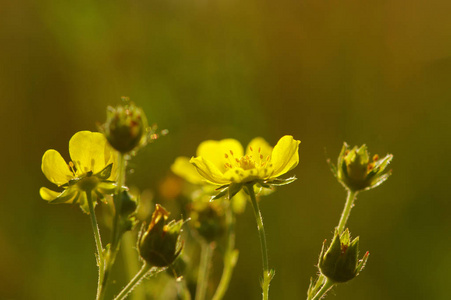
x: 375, y: 157
x: 226, y: 156
x: 261, y: 156
x: 251, y: 149
x: 231, y: 152
x: 259, y: 149
x: 71, y: 166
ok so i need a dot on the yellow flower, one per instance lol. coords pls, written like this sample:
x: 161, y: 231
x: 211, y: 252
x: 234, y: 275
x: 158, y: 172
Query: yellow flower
x: 224, y: 162
x: 92, y: 169
x: 203, y: 190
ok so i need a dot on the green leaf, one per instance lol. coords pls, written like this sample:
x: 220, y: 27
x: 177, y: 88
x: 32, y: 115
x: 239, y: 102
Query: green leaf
x: 106, y: 172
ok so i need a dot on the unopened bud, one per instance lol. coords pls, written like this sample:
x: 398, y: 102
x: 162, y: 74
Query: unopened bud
x: 125, y: 128
x: 340, y: 261
x: 160, y: 244
x: 357, y: 172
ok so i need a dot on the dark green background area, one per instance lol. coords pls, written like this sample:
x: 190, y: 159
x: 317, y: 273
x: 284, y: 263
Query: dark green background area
x: 322, y: 71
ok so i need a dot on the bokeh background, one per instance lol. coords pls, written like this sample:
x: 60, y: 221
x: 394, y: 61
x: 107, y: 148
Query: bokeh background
x: 324, y: 71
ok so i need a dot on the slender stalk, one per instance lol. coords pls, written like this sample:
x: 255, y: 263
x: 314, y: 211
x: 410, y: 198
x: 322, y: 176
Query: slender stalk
x: 346, y: 211
x: 261, y: 230
x: 324, y: 289
x: 95, y: 229
x: 341, y: 226
x: 204, y: 269
x: 131, y: 263
x: 116, y: 235
x: 136, y: 281
x: 230, y: 256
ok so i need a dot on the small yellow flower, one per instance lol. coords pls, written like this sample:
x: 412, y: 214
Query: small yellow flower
x: 224, y: 162
x: 203, y: 190
x: 92, y: 169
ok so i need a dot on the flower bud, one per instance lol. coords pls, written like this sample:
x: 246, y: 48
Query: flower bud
x: 125, y: 128
x: 357, y: 172
x: 126, y: 206
x: 340, y: 262
x: 160, y: 244
x: 208, y: 220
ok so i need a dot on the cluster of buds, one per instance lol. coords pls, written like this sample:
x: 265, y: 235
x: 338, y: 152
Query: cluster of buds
x: 126, y: 127
x: 340, y: 262
x: 161, y: 243
x: 356, y: 172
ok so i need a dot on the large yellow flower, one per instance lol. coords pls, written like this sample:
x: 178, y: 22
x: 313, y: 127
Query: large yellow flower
x: 224, y: 162
x: 92, y: 170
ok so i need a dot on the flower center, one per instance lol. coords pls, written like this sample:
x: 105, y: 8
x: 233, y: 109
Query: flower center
x: 247, y: 162
x: 88, y: 183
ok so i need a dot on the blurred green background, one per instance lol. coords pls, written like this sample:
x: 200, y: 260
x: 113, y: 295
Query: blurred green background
x: 324, y: 71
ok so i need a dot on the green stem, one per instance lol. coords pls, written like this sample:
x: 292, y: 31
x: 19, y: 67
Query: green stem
x: 341, y: 226
x: 116, y: 235
x: 95, y: 229
x: 324, y: 289
x: 346, y: 211
x: 230, y: 256
x: 131, y: 263
x: 145, y: 270
x: 267, y: 275
x: 204, y: 269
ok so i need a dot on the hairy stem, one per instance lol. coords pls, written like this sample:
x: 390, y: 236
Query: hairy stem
x: 145, y: 271
x: 117, y: 234
x: 95, y: 229
x: 346, y: 211
x: 267, y: 276
x: 324, y: 289
x: 131, y: 262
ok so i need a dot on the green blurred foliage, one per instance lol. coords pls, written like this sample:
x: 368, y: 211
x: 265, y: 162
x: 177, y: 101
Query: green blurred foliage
x: 326, y: 72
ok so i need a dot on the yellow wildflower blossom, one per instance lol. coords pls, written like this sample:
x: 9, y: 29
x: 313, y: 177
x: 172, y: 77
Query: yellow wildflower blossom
x: 184, y: 169
x: 92, y: 169
x: 224, y: 162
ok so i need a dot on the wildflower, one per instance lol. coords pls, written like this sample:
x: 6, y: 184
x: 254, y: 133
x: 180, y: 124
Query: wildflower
x: 356, y: 172
x: 340, y: 262
x: 126, y: 126
x: 224, y: 163
x: 160, y: 244
x: 92, y: 169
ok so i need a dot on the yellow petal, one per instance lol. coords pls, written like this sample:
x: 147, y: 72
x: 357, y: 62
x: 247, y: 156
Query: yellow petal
x: 111, y: 157
x: 261, y: 150
x: 209, y: 171
x: 285, y: 155
x: 55, y: 168
x: 48, y: 194
x: 87, y: 151
x: 187, y: 171
x: 216, y: 151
